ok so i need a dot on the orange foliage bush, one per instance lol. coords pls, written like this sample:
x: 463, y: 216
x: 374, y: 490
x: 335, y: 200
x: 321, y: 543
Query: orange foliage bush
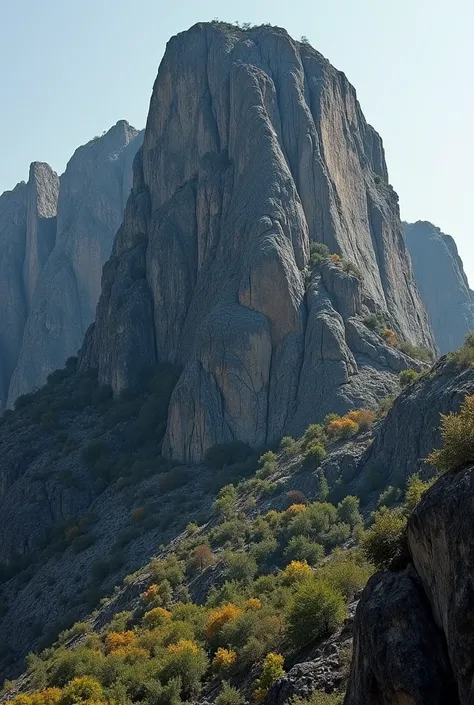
x: 119, y: 640
x: 343, y: 427
x: 390, y: 337
x: 220, y: 616
x: 150, y: 594
x: 364, y: 418
x: 202, y: 558
x: 295, y: 508
x: 335, y: 258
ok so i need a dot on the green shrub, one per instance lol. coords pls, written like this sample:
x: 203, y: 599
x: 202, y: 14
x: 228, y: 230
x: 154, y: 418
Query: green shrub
x: 345, y: 574
x: 384, y: 541
x: 223, y: 454
x: 464, y: 357
x: 457, y: 435
x: 267, y: 465
x: 321, y: 489
x: 229, y: 696
x: 316, y: 611
x: 416, y: 352
x: 301, y: 548
x: 225, y: 505
x: 352, y: 269
x: 187, y: 661
x: 407, y: 377
x: 348, y: 511
x: 314, y: 433
x: 375, y: 322
x: 319, y: 253
x: 416, y: 488
x: 314, y: 455
x: 289, y: 446
x: 241, y: 567
x: 389, y: 497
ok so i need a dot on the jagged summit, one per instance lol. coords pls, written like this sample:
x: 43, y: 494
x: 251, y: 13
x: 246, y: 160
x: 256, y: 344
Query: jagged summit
x: 442, y: 283
x: 254, y: 147
x: 55, y: 235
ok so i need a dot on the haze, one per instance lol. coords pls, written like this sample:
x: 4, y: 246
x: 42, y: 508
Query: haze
x: 71, y: 70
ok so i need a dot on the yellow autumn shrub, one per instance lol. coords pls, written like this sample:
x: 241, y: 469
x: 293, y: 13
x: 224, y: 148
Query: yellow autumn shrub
x: 219, y: 616
x: 156, y: 617
x: 224, y: 659
x: 296, y: 571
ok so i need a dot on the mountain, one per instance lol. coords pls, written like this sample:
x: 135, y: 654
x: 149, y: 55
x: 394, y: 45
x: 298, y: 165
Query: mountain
x: 193, y: 499
x: 255, y: 150
x: 55, y: 235
x: 442, y: 283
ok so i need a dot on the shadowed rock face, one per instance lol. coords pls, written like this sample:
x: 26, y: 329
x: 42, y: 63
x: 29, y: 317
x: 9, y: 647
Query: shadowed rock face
x: 414, y: 629
x: 55, y: 235
x: 399, y: 655
x: 254, y: 146
x: 442, y: 283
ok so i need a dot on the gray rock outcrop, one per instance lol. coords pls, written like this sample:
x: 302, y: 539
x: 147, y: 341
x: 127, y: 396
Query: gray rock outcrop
x: 254, y: 146
x: 411, y: 429
x: 442, y: 283
x: 55, y: 235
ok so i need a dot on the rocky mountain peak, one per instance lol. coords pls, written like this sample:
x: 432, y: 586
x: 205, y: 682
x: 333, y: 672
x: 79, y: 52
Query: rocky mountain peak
x: 55, y: 235
x: 255, y: 147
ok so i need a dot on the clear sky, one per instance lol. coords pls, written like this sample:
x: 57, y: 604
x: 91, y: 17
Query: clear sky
x: 72, y: 68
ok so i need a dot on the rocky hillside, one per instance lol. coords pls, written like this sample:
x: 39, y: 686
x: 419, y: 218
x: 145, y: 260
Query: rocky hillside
x: 87, y: 499
x: 442, y: 283
x: 55, y: 235
x: 256, y: 148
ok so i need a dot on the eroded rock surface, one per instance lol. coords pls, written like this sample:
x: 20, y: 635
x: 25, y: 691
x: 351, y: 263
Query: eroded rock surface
x: 254, y: 146
x: 442, y: 283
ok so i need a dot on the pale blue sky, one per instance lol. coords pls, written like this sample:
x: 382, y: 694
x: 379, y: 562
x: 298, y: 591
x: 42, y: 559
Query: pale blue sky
x: 71, y: 68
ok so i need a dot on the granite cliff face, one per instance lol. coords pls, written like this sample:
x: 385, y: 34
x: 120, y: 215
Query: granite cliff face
x: 55, y: 235
x: 255, y: 146
x: 435, y: 260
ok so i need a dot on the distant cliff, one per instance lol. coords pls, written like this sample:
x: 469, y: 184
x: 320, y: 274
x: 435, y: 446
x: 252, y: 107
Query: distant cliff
x: 55, y: 235
x: 255, y: 147
x: 442, y: 283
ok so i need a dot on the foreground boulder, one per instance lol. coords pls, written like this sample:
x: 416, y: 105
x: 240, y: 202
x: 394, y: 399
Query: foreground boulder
x: 414, y: 631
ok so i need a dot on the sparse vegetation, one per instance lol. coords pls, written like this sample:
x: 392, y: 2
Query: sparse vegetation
x: 407, y: 377
x: 464, y: 357
x: 457, y: 435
